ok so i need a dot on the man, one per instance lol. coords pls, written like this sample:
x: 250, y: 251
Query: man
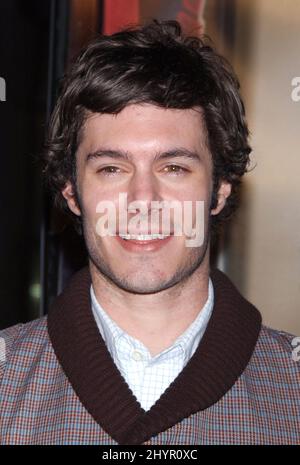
x: 148, y: 345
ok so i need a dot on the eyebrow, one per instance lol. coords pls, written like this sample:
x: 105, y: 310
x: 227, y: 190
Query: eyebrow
x: 177, y: 152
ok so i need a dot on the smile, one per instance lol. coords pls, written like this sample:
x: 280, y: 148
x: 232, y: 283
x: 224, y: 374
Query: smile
x: 143, y: 237
x: 143, y: 242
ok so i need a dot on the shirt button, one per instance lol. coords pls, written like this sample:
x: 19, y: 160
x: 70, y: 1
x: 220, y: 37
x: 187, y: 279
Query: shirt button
x: 137, y: 356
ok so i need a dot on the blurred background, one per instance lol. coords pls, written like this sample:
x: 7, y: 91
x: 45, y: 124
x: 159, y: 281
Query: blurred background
x: 260, y: 250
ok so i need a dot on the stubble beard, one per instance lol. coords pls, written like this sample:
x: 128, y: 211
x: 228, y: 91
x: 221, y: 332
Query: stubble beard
x: 194, y: 260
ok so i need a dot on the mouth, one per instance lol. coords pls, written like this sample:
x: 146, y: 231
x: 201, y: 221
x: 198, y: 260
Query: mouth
x: 143, y: 242
x: 143, y: 237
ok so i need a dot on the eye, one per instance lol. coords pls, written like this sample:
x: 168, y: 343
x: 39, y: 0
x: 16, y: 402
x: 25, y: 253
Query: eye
x: 108, y: 170
x: 175, y: 169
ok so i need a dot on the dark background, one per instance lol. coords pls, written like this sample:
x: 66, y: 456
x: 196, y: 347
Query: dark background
x: 24, y: 57
x: 36, y: 43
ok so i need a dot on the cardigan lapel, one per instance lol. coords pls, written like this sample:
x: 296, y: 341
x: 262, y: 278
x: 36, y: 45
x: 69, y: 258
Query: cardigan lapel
x: 222, y: 355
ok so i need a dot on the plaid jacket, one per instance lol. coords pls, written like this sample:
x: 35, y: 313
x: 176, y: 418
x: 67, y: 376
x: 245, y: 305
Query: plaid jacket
x: 59, y: 384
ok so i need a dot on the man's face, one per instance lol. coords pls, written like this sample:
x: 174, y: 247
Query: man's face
x: 151, y: 154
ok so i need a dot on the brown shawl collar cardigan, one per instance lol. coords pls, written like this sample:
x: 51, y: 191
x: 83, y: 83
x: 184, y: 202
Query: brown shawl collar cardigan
x: 221, y: 357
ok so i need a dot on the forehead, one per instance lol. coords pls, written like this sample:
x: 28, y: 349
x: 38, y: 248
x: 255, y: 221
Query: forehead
x: 144, y: 127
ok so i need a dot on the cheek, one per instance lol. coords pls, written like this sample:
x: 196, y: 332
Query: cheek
x: 199, y: 189
x: 89, y: 203
x: 204, y: 189
x: 91, y: 194
x: 199, y: 193
x: 100, y: 211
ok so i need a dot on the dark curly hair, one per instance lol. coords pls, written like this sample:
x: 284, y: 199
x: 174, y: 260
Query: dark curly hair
x: 153, y: 63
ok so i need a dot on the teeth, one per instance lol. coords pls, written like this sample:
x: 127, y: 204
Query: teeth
x: 143, y: 237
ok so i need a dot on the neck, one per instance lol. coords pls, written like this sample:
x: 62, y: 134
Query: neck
x: 158, y: 319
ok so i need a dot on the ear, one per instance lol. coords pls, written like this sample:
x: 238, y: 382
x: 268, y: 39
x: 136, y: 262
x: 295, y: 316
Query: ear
x: 69, y: 195
x: 223, y: 192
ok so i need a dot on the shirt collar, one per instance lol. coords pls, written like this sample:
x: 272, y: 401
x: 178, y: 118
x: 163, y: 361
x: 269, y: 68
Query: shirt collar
x: 186, y: 343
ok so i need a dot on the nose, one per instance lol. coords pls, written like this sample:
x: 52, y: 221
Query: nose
x: 143, y: 189
x: 144, y: 186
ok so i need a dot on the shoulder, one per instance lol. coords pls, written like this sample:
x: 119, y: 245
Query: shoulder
x: 34, y: 329
x: 25, y: 338
x: 281, y: 342
x: 277, y: 355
